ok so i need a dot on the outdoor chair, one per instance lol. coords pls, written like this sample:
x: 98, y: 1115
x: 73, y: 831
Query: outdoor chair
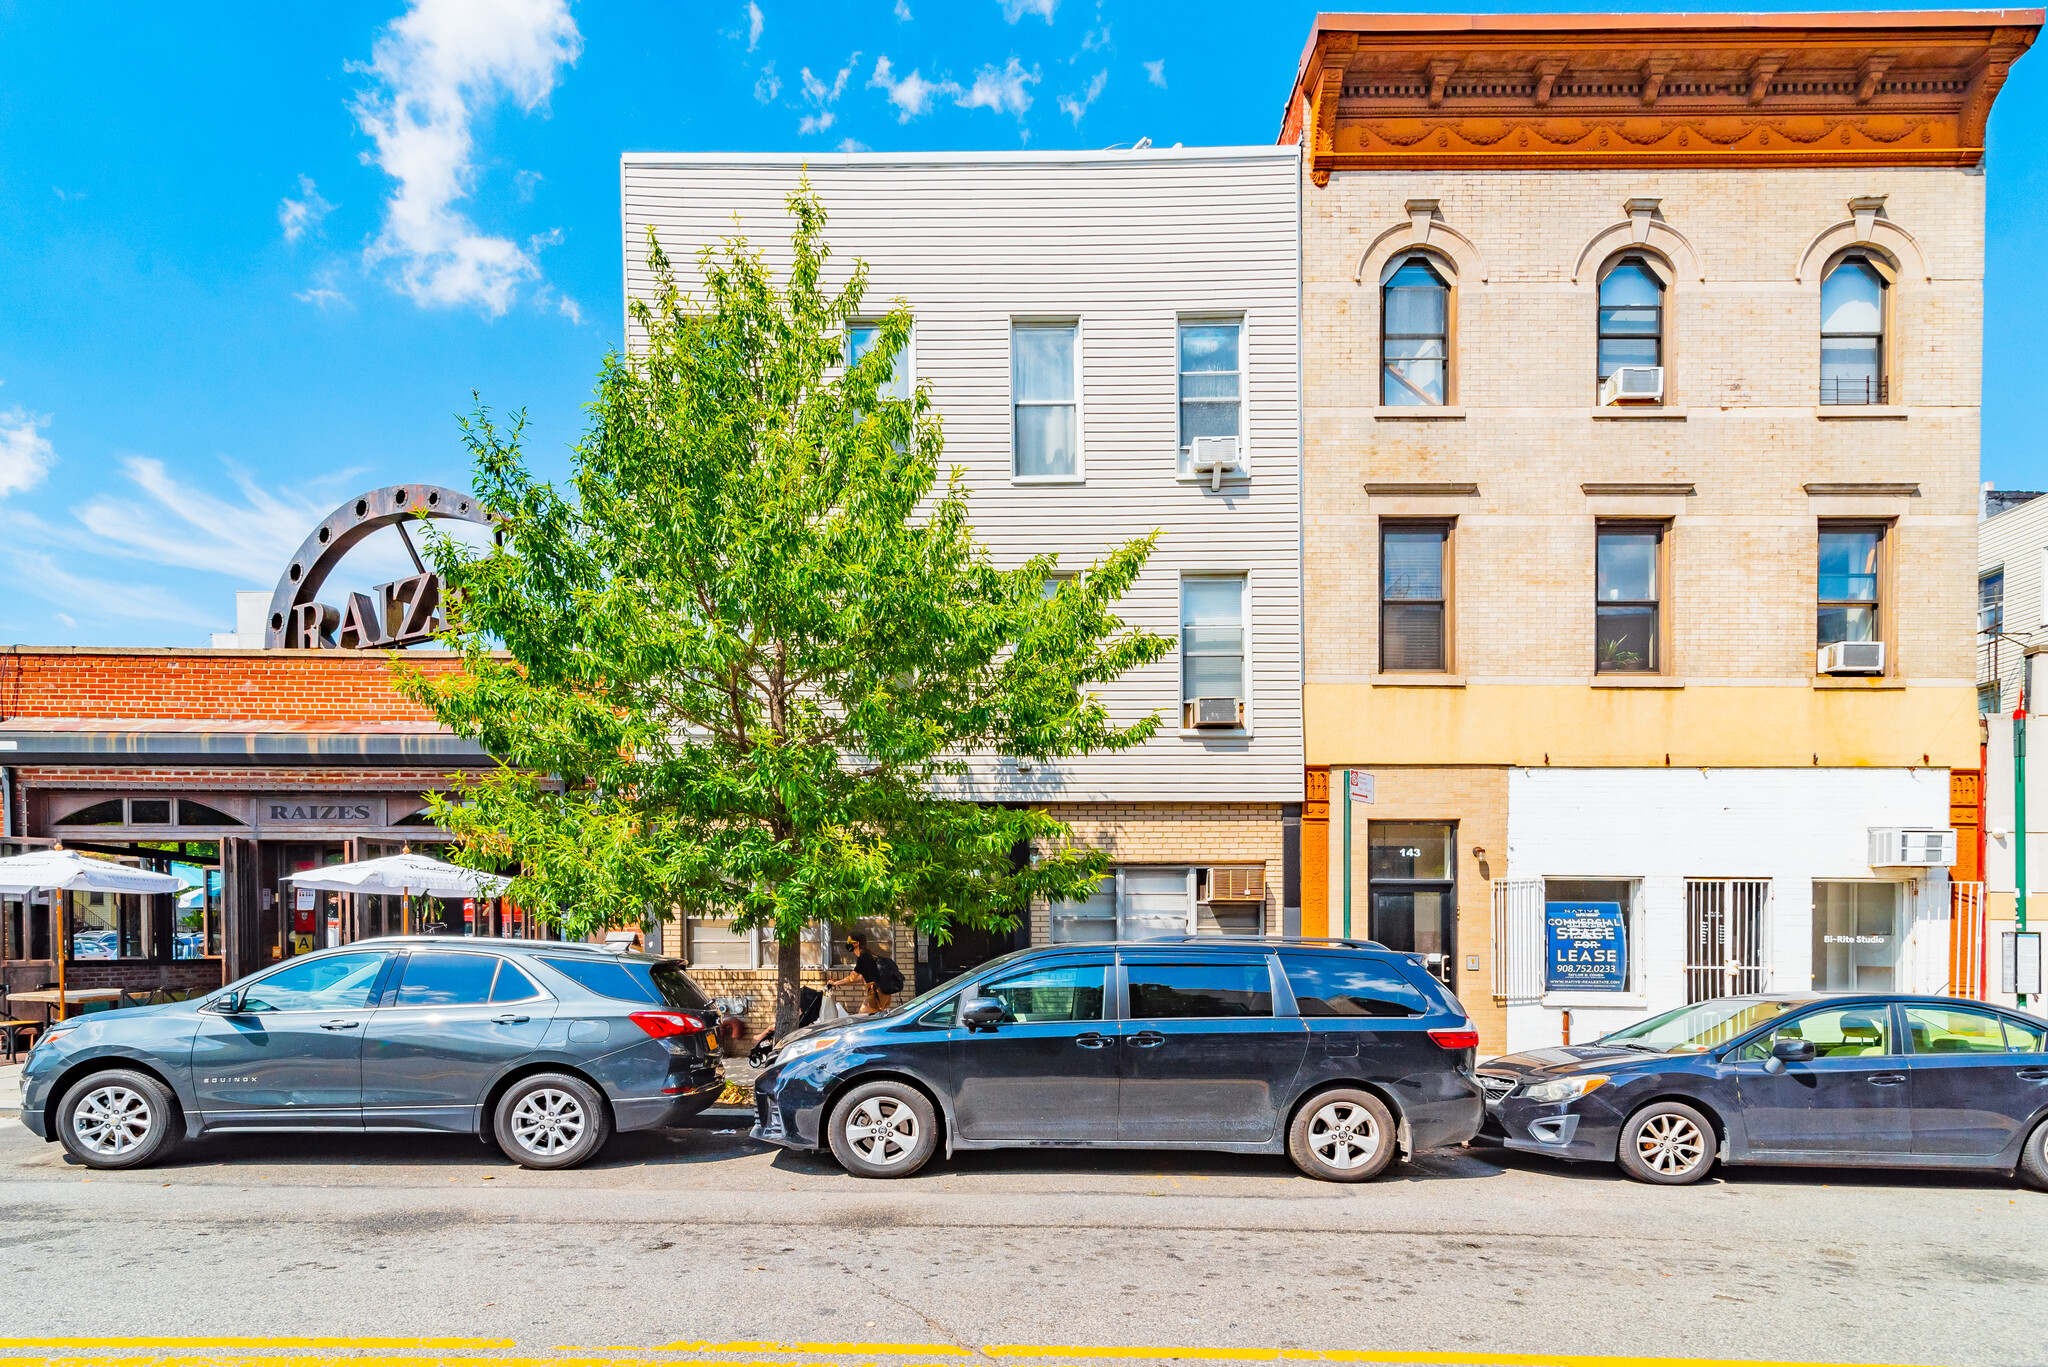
x: 139, y: 996
x: 12, y: 1031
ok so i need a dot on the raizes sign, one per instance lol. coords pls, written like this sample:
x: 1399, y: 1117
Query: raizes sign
x: 404, y: 612
x: 318, y: 809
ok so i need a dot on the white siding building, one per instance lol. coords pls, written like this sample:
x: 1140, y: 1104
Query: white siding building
x: 2012, y: 611
x: 1079, y: 317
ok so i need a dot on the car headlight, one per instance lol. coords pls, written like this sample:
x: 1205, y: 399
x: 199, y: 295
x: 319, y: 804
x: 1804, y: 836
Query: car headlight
x: 1564, y: 1088
x: 804, y: 1048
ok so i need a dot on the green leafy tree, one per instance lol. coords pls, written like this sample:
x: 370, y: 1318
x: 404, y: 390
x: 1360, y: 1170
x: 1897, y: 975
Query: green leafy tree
x: 738, y: 671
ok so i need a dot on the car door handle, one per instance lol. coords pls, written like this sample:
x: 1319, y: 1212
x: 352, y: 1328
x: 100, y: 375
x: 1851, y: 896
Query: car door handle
x: 1092, y: 1040
x: 1147, y: 1039
x: 2035, y: 1074
x: 1887, y: 1079
x: 339, y: 1025
x: 510, y: 1019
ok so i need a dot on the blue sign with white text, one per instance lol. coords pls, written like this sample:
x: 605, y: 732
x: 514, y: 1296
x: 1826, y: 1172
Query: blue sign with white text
x: 1588, y: 947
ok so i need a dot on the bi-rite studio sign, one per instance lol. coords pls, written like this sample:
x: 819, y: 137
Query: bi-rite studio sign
x: 404, y: 612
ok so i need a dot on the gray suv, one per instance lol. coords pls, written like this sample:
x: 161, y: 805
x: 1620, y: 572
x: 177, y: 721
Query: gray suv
x: 545, y: 1047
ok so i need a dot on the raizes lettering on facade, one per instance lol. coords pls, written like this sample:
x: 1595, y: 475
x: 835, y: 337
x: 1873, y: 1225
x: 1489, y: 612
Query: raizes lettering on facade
x: 297, y: 809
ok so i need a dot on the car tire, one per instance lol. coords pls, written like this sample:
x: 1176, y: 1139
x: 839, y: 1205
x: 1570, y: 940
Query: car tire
x: 1342, y: 1135
x: 118, y: 1119
x: 551, y: 1120
x: 1667, y: 1143
x: 2034, y: 1158
x: 883, y: 1129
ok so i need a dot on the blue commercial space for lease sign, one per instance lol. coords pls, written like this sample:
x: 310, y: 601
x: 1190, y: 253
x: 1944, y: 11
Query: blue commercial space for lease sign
x: 1588, y: 944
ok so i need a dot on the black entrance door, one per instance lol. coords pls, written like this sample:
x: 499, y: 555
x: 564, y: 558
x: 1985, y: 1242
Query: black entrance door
x: 1413, y: 891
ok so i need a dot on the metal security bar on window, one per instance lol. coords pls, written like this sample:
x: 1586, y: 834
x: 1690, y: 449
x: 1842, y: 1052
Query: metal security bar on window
x: 1518, y: 940
x: 1725, y: 930
x: 1966, y: 940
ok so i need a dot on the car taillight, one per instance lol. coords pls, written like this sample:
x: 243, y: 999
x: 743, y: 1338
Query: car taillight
x: 663, y: 1024
x: 1456, y: 1039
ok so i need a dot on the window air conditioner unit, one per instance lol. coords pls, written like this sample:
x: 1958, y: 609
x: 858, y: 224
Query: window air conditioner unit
x: 1225, y: 712
x: 1633, y: 384
x: 1912, y: 847
x: 1214, y: 457
x: 1852, y: 657
x: 1240, y: 884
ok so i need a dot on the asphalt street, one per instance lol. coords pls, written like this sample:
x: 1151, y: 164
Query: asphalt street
x: 700, y: 1245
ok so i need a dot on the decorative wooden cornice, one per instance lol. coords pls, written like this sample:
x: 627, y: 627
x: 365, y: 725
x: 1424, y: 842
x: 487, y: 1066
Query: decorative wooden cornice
x: 1683, y: 488
x: 1904, y: 88
x: 1445, y: 488
x: 1872, y: 487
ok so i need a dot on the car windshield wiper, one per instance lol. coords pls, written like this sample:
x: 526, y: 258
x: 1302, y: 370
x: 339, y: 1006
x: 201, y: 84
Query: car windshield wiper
x: 1632, y: 1044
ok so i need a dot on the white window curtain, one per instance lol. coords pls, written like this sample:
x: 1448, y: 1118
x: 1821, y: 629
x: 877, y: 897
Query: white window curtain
x: 1044, y: 392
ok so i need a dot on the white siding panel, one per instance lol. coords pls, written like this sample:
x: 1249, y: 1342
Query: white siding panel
x: 1126, y: 243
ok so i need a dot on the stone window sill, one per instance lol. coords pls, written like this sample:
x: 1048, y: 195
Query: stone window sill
x: 1648, y: 412
x: 1858, y: 411
x: 1636, y: 681
x: 1400, y: 680
x: 1419, y: 413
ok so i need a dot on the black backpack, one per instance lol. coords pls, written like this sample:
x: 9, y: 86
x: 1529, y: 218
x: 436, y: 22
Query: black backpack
x: 888, y: 977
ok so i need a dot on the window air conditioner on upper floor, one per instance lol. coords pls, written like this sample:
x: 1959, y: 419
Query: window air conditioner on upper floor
x: 1633, y: 384
x: 1912, y: 847
x: 1852, y: 657
x: 1216, y: 457
x: 1205, y: 712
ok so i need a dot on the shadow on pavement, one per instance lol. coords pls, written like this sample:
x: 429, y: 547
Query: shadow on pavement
x: 1737, y: 1176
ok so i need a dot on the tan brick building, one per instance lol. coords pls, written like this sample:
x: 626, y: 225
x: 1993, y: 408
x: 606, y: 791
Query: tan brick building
x: 1641, y: 376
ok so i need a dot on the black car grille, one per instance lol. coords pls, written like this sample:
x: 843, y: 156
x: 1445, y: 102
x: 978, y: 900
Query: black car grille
x: 1496, y: 1087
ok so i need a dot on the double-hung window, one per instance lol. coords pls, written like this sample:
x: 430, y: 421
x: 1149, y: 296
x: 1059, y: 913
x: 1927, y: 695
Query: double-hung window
x: 860, y: 340
x: 1852, y: 334
x: 1626, y: 607
x: 1045, y: 389
x: 1412, y: 598
x: 1849, y: 580
x: 1134, y: 902
x: 1631, y: 317
x: 1211, y: 386
x: 1212, y: 639
x: 1415, y: 334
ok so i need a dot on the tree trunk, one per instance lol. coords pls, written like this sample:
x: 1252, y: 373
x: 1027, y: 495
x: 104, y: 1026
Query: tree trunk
x: 789, y: 983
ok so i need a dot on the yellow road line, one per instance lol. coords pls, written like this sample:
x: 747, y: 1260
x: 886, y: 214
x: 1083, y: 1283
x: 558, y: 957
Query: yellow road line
x: 882, y: 1349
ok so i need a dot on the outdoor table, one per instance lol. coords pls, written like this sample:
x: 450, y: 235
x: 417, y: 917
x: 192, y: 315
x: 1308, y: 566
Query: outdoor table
x: 49, y: 997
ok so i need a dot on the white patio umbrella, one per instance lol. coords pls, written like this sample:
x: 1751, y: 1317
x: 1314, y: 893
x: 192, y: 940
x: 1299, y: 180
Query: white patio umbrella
x: 68, y: 871
x: 401, y: 875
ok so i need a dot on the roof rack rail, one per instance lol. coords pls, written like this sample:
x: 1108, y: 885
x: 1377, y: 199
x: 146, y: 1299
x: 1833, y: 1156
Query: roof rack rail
x: 1263, y: 940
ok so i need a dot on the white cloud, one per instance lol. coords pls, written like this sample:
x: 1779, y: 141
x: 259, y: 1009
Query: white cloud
x: 902, y: 12
x: 852, y: 145
x: 298, y: 216
x: 528, y: 184
x: 571, y: 310
x: 66, y: 620
x: 1155, y: 72
x: 1013, y: 10
x: 101, y: 599
x: 25, y: 453
x: 754, y: 25
x: 769, y: 86
x: 1074, y: 107
x: 437, y: 66
x: 250, y: 538
x: 322, y: 293
x: 1095, y: 38
x: 1003, y: 91
x: 824, y: 97
x: 911, y: 95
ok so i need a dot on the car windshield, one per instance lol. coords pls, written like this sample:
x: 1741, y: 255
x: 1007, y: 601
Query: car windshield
x: 1696, y: 1029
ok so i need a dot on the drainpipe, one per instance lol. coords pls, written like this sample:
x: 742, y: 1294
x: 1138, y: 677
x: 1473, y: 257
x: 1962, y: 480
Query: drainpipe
x: 6, y: 802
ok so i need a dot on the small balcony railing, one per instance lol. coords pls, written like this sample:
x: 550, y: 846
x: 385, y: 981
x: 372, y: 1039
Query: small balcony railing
x: 1866, y: 389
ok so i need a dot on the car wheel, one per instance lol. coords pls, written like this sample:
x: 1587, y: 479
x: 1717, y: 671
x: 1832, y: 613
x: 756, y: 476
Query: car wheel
x: 883, y: 1129
x: 551, y: 1120
x: 2034, y: 1158
x: 118, y: 1119
x: 1344, y: 1135
x: 1668, y: 1143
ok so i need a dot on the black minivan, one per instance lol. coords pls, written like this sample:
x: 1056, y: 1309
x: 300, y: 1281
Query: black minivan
x: 1337, y: 1053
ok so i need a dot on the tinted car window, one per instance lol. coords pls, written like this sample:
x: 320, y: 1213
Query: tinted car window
x: 633, y: 981
x: 1951, y: 1030
x: 1838, y: 1032
x: 340, y: 982
x: 1160, y: 991
x: 447, y: 980
x: 512, y: 985
x: 1056, y: 992
x: 2022, y: 1038
x: 1350, y: 987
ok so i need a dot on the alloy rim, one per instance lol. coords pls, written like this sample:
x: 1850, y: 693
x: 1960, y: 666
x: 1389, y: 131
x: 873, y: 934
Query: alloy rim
x: 548, y: 1121
x: 1670, y: 1144
x: 882, y: 1130
x: 111, y: 1120
x: 1344, y: 1135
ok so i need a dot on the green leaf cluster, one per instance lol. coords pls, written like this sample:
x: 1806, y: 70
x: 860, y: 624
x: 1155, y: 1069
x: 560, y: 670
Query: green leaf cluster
x: 738, y: 668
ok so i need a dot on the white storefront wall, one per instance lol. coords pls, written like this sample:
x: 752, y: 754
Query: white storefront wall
x: 1663, y: 827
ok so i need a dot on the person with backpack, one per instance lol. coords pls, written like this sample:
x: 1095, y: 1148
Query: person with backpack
x: 878, y: 971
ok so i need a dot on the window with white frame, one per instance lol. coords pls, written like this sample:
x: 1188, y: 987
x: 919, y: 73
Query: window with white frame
x: 1211, y: 387
x: 1045, y: 394
x: 1622, y: 891
x: 1134, y: 902
x: 712, y: 943
x: 1212, y: 641
x: 861, y: 338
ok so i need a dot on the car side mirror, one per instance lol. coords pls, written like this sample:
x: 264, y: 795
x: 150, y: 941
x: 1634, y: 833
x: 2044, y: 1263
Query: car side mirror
x: 228, y: 1005
x: 982, y: 1013
x: 1786, y: 1051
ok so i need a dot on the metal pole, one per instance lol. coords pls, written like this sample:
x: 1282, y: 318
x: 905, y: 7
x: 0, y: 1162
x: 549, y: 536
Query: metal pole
x: 2019, y: 804
x: 1347, y: 853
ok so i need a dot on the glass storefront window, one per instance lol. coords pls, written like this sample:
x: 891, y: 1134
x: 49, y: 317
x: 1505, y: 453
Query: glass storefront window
x: 106, y: 925
x: 1412, y: 898
x: 1410, y: 849
x: 1856, y: 940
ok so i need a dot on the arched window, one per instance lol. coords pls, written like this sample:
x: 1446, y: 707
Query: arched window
x: 1852, y: 300
x: 1415, y: 334
x: 1631, y: 316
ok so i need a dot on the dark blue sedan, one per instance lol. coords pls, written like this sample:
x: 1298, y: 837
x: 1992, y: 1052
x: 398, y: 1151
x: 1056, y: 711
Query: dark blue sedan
x: 1847, y: 1081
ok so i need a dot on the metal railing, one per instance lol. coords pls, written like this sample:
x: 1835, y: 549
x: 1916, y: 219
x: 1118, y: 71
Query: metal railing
x: 1966, y: 940
x: 1518, y: 940
x: 1867, y: 389
x: 1726, y: 937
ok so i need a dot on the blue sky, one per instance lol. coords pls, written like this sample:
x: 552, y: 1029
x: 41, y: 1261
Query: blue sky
x: 255, y: 258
